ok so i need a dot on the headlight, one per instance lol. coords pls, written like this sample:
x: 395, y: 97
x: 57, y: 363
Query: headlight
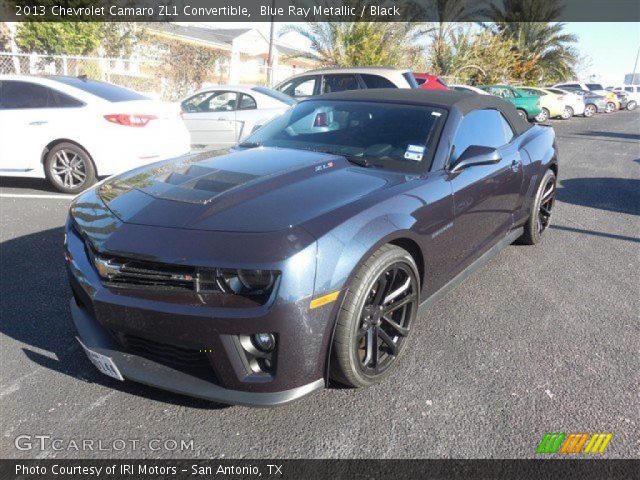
x: 246, y: 282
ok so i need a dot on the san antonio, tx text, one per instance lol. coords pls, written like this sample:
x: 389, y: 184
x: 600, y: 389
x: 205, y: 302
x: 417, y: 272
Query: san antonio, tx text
x: 142, y: 469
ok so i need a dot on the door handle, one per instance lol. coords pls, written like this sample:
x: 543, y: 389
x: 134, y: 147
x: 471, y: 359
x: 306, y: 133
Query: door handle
x: 38, y: 122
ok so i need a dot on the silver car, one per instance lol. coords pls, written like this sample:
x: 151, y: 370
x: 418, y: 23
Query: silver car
x: 222, y: 115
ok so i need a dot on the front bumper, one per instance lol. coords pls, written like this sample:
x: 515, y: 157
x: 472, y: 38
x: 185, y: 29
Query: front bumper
x: 148, y: 372
x: 105, y: 316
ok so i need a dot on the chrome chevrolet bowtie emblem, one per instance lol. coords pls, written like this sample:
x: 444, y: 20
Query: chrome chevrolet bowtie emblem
x: 105, y: 268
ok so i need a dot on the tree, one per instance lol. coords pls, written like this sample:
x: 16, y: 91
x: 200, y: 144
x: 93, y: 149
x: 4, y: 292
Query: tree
x: 59, y: 38
x: 186, y: 67
x: 547, y: 52
x: 5, y: 37
x: 117, y: 39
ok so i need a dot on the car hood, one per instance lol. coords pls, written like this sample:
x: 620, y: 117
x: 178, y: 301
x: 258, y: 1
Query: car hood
x: 254, y: 190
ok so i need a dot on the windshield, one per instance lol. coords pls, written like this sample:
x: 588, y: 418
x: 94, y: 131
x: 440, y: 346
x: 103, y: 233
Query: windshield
x: 375, y: 134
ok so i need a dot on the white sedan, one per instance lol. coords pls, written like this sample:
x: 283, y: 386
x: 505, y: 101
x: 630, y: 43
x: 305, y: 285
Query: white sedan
x: 71, y: 130
x: 221, y: 116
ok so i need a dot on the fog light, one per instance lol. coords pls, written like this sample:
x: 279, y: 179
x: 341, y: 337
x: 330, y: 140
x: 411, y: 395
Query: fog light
x: 264, y: 342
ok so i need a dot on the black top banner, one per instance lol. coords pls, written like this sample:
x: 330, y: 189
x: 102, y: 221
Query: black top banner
x: 321, y: 10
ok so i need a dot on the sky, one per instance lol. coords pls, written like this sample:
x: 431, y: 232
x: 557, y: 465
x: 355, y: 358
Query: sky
x: 609, y: 49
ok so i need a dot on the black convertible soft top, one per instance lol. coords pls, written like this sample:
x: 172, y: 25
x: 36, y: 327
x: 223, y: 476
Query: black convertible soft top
x: 465, y: 102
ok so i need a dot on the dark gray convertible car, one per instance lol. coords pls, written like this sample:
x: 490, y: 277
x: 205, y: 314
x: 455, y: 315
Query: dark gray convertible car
x: 257, y: 275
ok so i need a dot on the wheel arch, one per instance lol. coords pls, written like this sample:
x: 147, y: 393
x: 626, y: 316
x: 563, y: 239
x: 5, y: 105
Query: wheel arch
x: 58, y: 141
x: 404, y: 239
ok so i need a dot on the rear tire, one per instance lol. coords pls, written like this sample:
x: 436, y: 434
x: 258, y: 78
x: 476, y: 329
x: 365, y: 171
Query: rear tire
x: 590, y: 110
x: 541, y: 208
x: 373, y: 323
x: 568, y: 113
x: 610, y: 108
x: 543, y: 116
x: 69, y: 168
x: 632, y: 105
x: 523, y: 114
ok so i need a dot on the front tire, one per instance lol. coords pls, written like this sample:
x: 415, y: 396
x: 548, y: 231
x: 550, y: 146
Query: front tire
x: 373, y: 323
x: 69, y: 168
x: 523, y: 114
x: 610, y: 107
x: 632, y: 105
x: 540, y: 215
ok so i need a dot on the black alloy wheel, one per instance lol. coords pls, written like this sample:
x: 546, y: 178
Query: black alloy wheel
x: 546, y: 204
x: 376, y: 317
x: 540, y: 215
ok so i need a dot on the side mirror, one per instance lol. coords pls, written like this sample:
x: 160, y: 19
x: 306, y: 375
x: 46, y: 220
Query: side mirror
x: 476, y: 155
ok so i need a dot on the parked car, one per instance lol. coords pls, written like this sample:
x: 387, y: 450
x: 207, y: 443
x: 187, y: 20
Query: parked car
x: 574, y: 103
x: 222, y: 115
x: 623, y: 99
x: 327, y: 80
x: 528, y: 106
x: 593, y: 102
x: 552, y: 104
x: 596, y: 88
x: 426, y: 81
x: 468, y: 88
x: 255, y: 276
x: 632, y: 92
x: 70, y: 130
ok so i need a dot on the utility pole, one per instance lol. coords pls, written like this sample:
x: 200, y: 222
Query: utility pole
x: 635, y: 66
x: 270, y: 58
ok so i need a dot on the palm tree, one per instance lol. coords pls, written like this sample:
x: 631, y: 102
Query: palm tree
x: 343, y: 44
x: 359, y: 43
x: 547, y: 52
x: 449, y: 17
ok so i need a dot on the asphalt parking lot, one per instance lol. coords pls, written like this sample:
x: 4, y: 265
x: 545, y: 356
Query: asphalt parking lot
x: 543, y: 339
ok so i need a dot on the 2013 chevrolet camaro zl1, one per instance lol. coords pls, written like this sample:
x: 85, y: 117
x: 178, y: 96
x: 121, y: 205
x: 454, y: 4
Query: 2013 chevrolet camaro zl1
x: 256, y: 275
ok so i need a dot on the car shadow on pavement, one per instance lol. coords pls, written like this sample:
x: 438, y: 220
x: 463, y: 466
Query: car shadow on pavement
x: 39, y: 184
x: 620, y: 195
x: 620, y: 135
x: 35, y: 312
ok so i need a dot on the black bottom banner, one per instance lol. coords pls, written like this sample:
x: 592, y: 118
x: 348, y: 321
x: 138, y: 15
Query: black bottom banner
x: 320, y: 469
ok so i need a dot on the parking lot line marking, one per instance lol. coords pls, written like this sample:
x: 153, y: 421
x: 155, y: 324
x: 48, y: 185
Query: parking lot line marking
x: 28, y: 195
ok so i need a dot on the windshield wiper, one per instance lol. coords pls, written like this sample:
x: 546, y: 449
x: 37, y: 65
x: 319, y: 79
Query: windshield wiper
x: 355, y: 159
x: 249, y: 145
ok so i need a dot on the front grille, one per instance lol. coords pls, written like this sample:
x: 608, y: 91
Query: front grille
x: 135, y: 273
x: 167, y: 354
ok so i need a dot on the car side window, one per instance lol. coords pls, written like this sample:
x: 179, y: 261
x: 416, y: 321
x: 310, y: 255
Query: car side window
x: 300, y: 87
x: 62, y: 100
x: 485, y: 128
x: 247, y: 102
x: 376, y: 81
x: 339, y: 83
x: 502, y: 92
x: 628, y: 89
x: 211, y: 102
x: 23, y: 95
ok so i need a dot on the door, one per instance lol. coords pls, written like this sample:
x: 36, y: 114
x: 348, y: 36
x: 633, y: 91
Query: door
x: 486, y: 197
x: 247, y: 115
x: 28, y: 113
x: 210, y: 118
